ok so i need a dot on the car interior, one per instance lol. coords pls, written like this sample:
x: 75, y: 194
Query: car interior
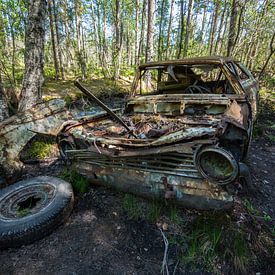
x: 184, y: 79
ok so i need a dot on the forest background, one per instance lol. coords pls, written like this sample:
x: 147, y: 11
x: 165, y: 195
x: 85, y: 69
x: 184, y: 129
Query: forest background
x: 102, y: 38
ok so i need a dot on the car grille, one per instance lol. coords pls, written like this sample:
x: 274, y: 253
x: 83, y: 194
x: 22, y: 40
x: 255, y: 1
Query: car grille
x: 167, y: 163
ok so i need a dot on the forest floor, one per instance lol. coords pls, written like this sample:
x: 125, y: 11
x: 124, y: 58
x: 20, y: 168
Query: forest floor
x: 115, y: 233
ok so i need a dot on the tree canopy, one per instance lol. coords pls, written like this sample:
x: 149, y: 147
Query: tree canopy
x: 108, y: 38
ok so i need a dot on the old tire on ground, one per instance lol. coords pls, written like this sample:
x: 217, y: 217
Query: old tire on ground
x: 33, y: 208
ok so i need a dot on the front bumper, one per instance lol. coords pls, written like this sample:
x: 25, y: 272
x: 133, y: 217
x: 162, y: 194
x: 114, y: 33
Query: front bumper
x: 170, y: 176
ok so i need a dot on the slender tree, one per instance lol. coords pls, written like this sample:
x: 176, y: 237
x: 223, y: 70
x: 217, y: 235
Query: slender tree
x: 271, y: 52
x: 150, y: 31
x: 142, y: 32
x: 58, y: 44
x: 160, y: 44
x: 169, y: 29
x: 188, y: 27
x: 80, y: 53
x: 181, y: 27
x: 232, y: 27
x: 213, y: 27
x: 56, y: 65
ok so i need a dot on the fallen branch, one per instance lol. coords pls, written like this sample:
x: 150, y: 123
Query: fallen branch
x: 164, y: 268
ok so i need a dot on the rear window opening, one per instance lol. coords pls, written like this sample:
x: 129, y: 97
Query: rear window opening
x: 183, y: 79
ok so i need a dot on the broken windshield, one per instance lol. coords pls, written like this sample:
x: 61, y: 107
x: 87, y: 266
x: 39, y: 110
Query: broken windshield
x: 183, y: 79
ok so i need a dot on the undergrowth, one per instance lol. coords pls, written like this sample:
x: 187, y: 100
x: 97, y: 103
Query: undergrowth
x: 137, y: 209
x: 210, y: 241
x: 79, y: 183
x: 40, y: 149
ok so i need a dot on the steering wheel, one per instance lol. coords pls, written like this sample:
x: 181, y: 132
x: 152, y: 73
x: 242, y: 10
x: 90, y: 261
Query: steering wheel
x: 196, y: 89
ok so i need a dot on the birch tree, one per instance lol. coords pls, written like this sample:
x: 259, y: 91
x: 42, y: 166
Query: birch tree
x: 34, y: 55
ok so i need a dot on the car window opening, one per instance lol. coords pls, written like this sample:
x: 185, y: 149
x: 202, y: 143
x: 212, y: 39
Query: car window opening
x: 183, y: 79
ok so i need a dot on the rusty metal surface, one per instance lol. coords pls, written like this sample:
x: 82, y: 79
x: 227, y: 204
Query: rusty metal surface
x: 191, y: 60
x: 187, y: 191
x: 171, y: 129
x: 15, y: 132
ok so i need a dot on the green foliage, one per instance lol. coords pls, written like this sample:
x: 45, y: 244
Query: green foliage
x: 40, y: 150
x: 212, y: 238
x: 136, y: 208
x: 154, y: 210
x: 255, y: 212
x: 68, y: 100
x: 80, y: 184
x: 49, y: 72
x: 258, y: 130
x: 174, y: 214
x: 133, y: 207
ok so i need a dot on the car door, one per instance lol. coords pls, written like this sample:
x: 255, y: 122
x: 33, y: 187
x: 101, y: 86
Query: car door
x: 250, y: 86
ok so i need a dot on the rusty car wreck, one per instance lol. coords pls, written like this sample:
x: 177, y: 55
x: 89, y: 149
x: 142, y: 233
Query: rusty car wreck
x: 183, y: 134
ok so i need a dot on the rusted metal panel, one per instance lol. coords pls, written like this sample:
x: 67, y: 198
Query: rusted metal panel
x: 15, y: 132
x: 188, y: 192
x: 187, y: 146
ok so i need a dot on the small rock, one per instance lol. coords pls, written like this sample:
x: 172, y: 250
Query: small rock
x: 165, y: 226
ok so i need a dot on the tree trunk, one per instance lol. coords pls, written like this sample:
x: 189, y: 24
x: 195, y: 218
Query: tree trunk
x: 202, y: 28
x: 150, y: 31
x: 141, y: 41
x: 169, y: 30
x: 221, y: 24
x: 214, y: 27
x: 3, y: 103
x: 118, y: 39
x: 34, y: 55
x: 239, y: 26
x: 56, y: 66
x: 160, y: 39
x: 68, y: 55
x: 58, y: 46
x: 137, y: 44
x: 188, y: 23
x: 232, y: 27
x: 80, y: 54
x: 181, y: 27
x: 272, y: 50
x: 223, y: 49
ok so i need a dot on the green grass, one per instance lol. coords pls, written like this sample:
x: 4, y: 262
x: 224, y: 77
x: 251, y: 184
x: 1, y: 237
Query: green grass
x: 40, y: 150
x: 136, y: 208
x: 209, y: 241
x: 174, y: 214
x: 213, y: 239
x: 154, y: 210
x: 79, y: 183
x: 133, y: 207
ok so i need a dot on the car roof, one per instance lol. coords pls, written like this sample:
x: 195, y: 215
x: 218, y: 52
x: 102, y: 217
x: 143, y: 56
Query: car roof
x: 191, y: 60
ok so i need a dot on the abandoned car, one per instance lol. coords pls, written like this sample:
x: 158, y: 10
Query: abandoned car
x: 183, y: 134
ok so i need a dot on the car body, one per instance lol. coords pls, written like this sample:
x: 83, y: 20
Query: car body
x: 190, y: 124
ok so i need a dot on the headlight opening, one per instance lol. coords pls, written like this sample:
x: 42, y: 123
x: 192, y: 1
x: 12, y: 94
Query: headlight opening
x: 217, y: 164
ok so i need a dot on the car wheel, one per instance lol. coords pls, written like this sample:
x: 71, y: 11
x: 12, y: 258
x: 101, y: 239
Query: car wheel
x: 31, y: 209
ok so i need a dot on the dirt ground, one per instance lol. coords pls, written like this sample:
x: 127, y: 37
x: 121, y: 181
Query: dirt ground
x: 100, y: 238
